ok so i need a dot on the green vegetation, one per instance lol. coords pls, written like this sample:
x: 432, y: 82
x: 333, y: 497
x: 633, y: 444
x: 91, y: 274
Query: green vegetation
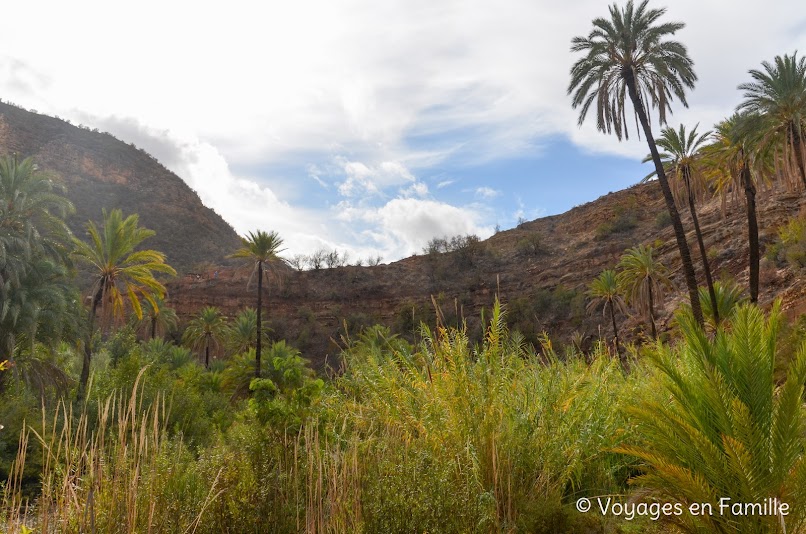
x: 790, y: 247
x: 456, y: 428
x: 622, y: 220
x: 683, y: 162
x: 118, y: 270
x: 606, y: 291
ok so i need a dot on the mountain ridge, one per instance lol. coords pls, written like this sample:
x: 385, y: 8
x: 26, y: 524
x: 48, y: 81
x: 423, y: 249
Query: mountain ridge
x: 100, y: 171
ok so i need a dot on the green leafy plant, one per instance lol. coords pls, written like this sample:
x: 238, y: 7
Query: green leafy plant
x: 717, y: 424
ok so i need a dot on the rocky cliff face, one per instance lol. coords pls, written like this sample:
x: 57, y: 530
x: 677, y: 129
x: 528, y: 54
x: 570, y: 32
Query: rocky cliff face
x: 540, y: 270
x: 100, y: 171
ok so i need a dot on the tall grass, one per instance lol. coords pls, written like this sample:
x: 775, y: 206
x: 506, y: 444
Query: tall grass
x: 119, y: 474
x: 442, y: 436
x: 456, y: 438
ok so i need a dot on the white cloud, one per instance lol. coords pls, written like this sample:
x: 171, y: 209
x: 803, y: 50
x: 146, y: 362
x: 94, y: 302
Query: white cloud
x: 362, y: 179
x: 308, y: 76
x: 403, y: 226
x: 345, y: 88
x: 486, y: 193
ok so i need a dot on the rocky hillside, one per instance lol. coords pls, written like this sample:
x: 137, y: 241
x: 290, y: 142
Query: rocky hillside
x: 100, y: 171
x: 540, y: 270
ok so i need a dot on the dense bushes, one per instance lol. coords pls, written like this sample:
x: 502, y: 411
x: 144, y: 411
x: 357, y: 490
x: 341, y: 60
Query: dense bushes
x: 444, y: 435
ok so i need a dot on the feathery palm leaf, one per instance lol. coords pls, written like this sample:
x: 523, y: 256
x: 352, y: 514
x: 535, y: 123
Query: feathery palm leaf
x: 778, y: 95
x: 643, y: 280
x: 719, y: 425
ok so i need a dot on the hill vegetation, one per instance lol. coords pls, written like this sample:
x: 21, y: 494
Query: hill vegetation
x: 146, y: 405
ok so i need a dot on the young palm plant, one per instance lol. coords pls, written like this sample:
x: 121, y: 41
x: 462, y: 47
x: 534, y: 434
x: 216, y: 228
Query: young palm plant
x: 682, y: 160
x: 206, y: 330
x: 119, y: 272
x: 778, y: 95
x: 629, y: 54
x: 605, y: 291
x: 261, y: 249
x: 716, y: 424
x: 643, y: 280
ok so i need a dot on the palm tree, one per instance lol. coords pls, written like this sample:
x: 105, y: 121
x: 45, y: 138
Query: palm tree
x: 242, y: 333
x: 721, y: 422
x: 261, y: 249
x: 734, y: 158
x: 605, y: 290
x: 34, y: 277
x: 628, y: 54
x: 682, y: 161
x: 118, y: 270
x: 158, y: 318
x: 778, y: 95
x: 206, y: 330
x: 643, y: 279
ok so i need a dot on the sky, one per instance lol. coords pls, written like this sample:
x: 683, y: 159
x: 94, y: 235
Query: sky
x: 367, y: 126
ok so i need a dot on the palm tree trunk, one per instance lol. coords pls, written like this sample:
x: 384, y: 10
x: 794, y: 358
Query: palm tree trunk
x: 153, y: 327
x: 615, y: 329
x: 258, y: 344
x: 85, y: 366
x: 207, y: 353
x: 679, y: 233
x: 707, y: 268
x: 652, y: 311
x: 797, y: 145
x: 752, y: 228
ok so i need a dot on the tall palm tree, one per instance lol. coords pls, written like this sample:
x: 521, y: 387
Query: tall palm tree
x: 261, y: 249
x: 118, y: 271
x: 778, y: 95
x: 643, y: 279
x: 208, y: 329
x: 682, y: 161
x: 629, y: 54
x: 605, y: 290
x: 734, y: 158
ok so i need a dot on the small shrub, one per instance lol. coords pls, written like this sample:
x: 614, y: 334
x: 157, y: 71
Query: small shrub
x: 622, y: 220
x: 790, y: 247
x: 663, y: 220
x: 530, y: 245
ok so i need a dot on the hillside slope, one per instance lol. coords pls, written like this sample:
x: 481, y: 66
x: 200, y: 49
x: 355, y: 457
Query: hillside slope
x: 541, y: 271
x: 100, y: 171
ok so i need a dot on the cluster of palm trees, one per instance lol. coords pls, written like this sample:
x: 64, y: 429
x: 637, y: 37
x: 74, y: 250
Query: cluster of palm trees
x: 210, y: 331
x: 119, y: 270
x: 639, y: 280
x: 39, y: 302
x: 630, y: 55
x: 37, y: 299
